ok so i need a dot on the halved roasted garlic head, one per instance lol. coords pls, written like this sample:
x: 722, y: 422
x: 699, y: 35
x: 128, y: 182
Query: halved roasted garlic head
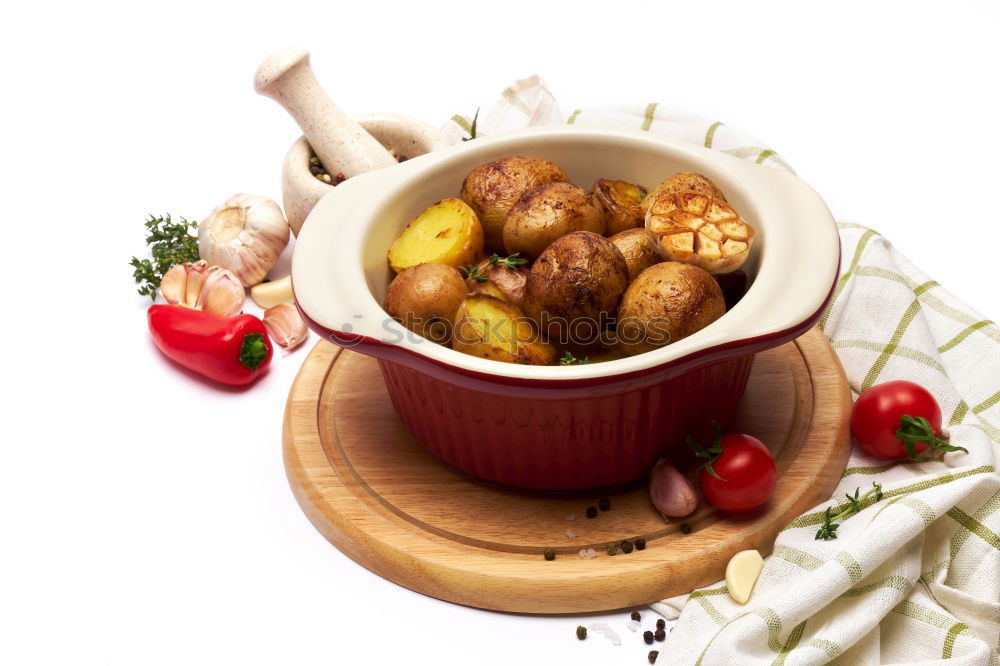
x: 698, y: 229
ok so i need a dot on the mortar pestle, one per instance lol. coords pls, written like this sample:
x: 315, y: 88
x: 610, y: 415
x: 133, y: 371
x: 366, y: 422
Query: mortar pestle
x: 343, y: 144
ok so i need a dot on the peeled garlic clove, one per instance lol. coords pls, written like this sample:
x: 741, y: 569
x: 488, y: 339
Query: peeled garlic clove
x: 285, y: 326
x: 246, y: 234
x: 203, y: 287
x: 269, y: 294
x: 742, y: 573
x: 670, y: 492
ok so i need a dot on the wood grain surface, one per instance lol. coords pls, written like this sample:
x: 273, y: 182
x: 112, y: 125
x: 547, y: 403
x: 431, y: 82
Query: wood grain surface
x: 378, y: 496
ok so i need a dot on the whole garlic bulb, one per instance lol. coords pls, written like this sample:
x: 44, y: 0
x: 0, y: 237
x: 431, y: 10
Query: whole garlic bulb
x: 203, y: 287
x: 246, y: 234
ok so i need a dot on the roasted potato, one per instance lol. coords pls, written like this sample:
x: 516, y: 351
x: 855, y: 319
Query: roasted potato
x: 490, y: 328
x: 639, y: 249
x: 424, y: 299
x: 549, y: 212
x: 574, y: 287
x: 683, y: 182
x: 666, y: 303
x: 500, y: 277
x: 621, y: 202
x: 696, y: 229
x: 448, y: 232
x: 491, y: 189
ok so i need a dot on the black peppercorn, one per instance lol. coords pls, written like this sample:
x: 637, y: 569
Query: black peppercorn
x: 581, y: 632
x: 660, y: 634
x: 635, y: 616
x: 550, y: 554
x: 653, y: 654
x: 591, y: 512
x: 612, y: 549
x: 626, y: 547
x: 685, y: 528
x: 661, y: 624
x: 640, y: 544
x: 648, y: 637
x: 604, y: 504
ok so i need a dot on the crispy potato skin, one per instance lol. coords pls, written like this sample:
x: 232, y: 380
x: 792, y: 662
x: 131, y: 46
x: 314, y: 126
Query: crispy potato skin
x: 547, y: 213
x: 574, y: 287
x: 481, y: 318
x: 492, y: 189
x: 621, y: 202
x: 457, y: 238
x: 683, y: 182
x: 425, y: 298
x: 667, y: 302
x: 639, y: 250
x: 504, y: 283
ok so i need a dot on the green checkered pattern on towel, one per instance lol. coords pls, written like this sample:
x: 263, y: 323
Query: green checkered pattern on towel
x: 913, y: 577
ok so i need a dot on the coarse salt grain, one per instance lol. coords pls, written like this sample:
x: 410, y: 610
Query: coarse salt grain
x: 587, y: 553
x: 571, y: 516
x: 570, y: 533
x: 609, y: 633
x: 632, y: 625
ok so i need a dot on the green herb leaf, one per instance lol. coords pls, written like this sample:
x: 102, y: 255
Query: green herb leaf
x: 917, y: 430
x: 253, y: 351
x: 512, y: 261
x: 472, y: 271
x: 472, y: 130
x: 170, y: 243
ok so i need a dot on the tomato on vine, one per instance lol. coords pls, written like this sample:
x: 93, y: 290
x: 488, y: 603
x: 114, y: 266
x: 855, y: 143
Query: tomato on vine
x: 898, y: 420
x: 738, y: 474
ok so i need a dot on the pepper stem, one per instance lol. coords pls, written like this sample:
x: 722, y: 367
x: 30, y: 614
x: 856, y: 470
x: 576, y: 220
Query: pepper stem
x: 253, y: 351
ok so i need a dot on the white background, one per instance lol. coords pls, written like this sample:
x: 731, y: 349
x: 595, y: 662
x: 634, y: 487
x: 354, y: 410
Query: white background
x: 145, y: 515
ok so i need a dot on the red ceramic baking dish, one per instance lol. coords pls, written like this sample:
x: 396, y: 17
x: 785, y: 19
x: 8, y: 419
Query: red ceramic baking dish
x: 564, y: 427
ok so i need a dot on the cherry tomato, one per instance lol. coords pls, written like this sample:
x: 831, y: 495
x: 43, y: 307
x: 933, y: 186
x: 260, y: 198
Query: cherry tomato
x: 876, y: 416
x: 749, y: 472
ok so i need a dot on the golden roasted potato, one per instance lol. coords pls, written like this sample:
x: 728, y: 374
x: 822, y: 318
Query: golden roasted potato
x: 574, y: 288
x: 549, y: 212
x: 500, y: 277
x: 667, y: 302
x: 683, y: 182
x: 639, y: 249
x: 696, y: 229
x: 490, y: 328
x: 621, y: 202
x: 448, y: 232
x: 424, y: 299
x: 491, y: 189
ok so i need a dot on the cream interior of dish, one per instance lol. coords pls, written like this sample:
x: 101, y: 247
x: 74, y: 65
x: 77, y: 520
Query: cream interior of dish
x: 585, y: 159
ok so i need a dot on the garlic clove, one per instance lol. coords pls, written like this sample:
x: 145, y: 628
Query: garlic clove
x: 173, y: 286
x: 222, y: 293
x: 246, y: 234
x: 203, y: 287
x: 742, y: 573
x: 285, y: 325
x: 671, y: 493
x: 269, y: 294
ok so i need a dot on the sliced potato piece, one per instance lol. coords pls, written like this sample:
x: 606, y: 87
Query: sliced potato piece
x: 448, y: 233
x: 697, y: 229
x: 490, y: 328
x: 742, y: 573
x: 621, y: 202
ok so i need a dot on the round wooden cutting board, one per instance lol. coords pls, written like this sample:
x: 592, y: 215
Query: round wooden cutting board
x: 378, y: 496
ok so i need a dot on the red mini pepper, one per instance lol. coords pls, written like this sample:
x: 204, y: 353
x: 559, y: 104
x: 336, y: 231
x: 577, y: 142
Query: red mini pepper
x: 230, y: 350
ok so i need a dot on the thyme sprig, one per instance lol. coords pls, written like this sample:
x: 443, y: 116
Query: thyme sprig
x: 915, y: 430
x: 855, y: 503
x: 510, y: 261
x: 569, y: 359
x: 472, y: 129
x: 170, y: 243
x: 472, y: 271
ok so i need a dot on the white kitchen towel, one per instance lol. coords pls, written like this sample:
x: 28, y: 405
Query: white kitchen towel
x: 912, y: 578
